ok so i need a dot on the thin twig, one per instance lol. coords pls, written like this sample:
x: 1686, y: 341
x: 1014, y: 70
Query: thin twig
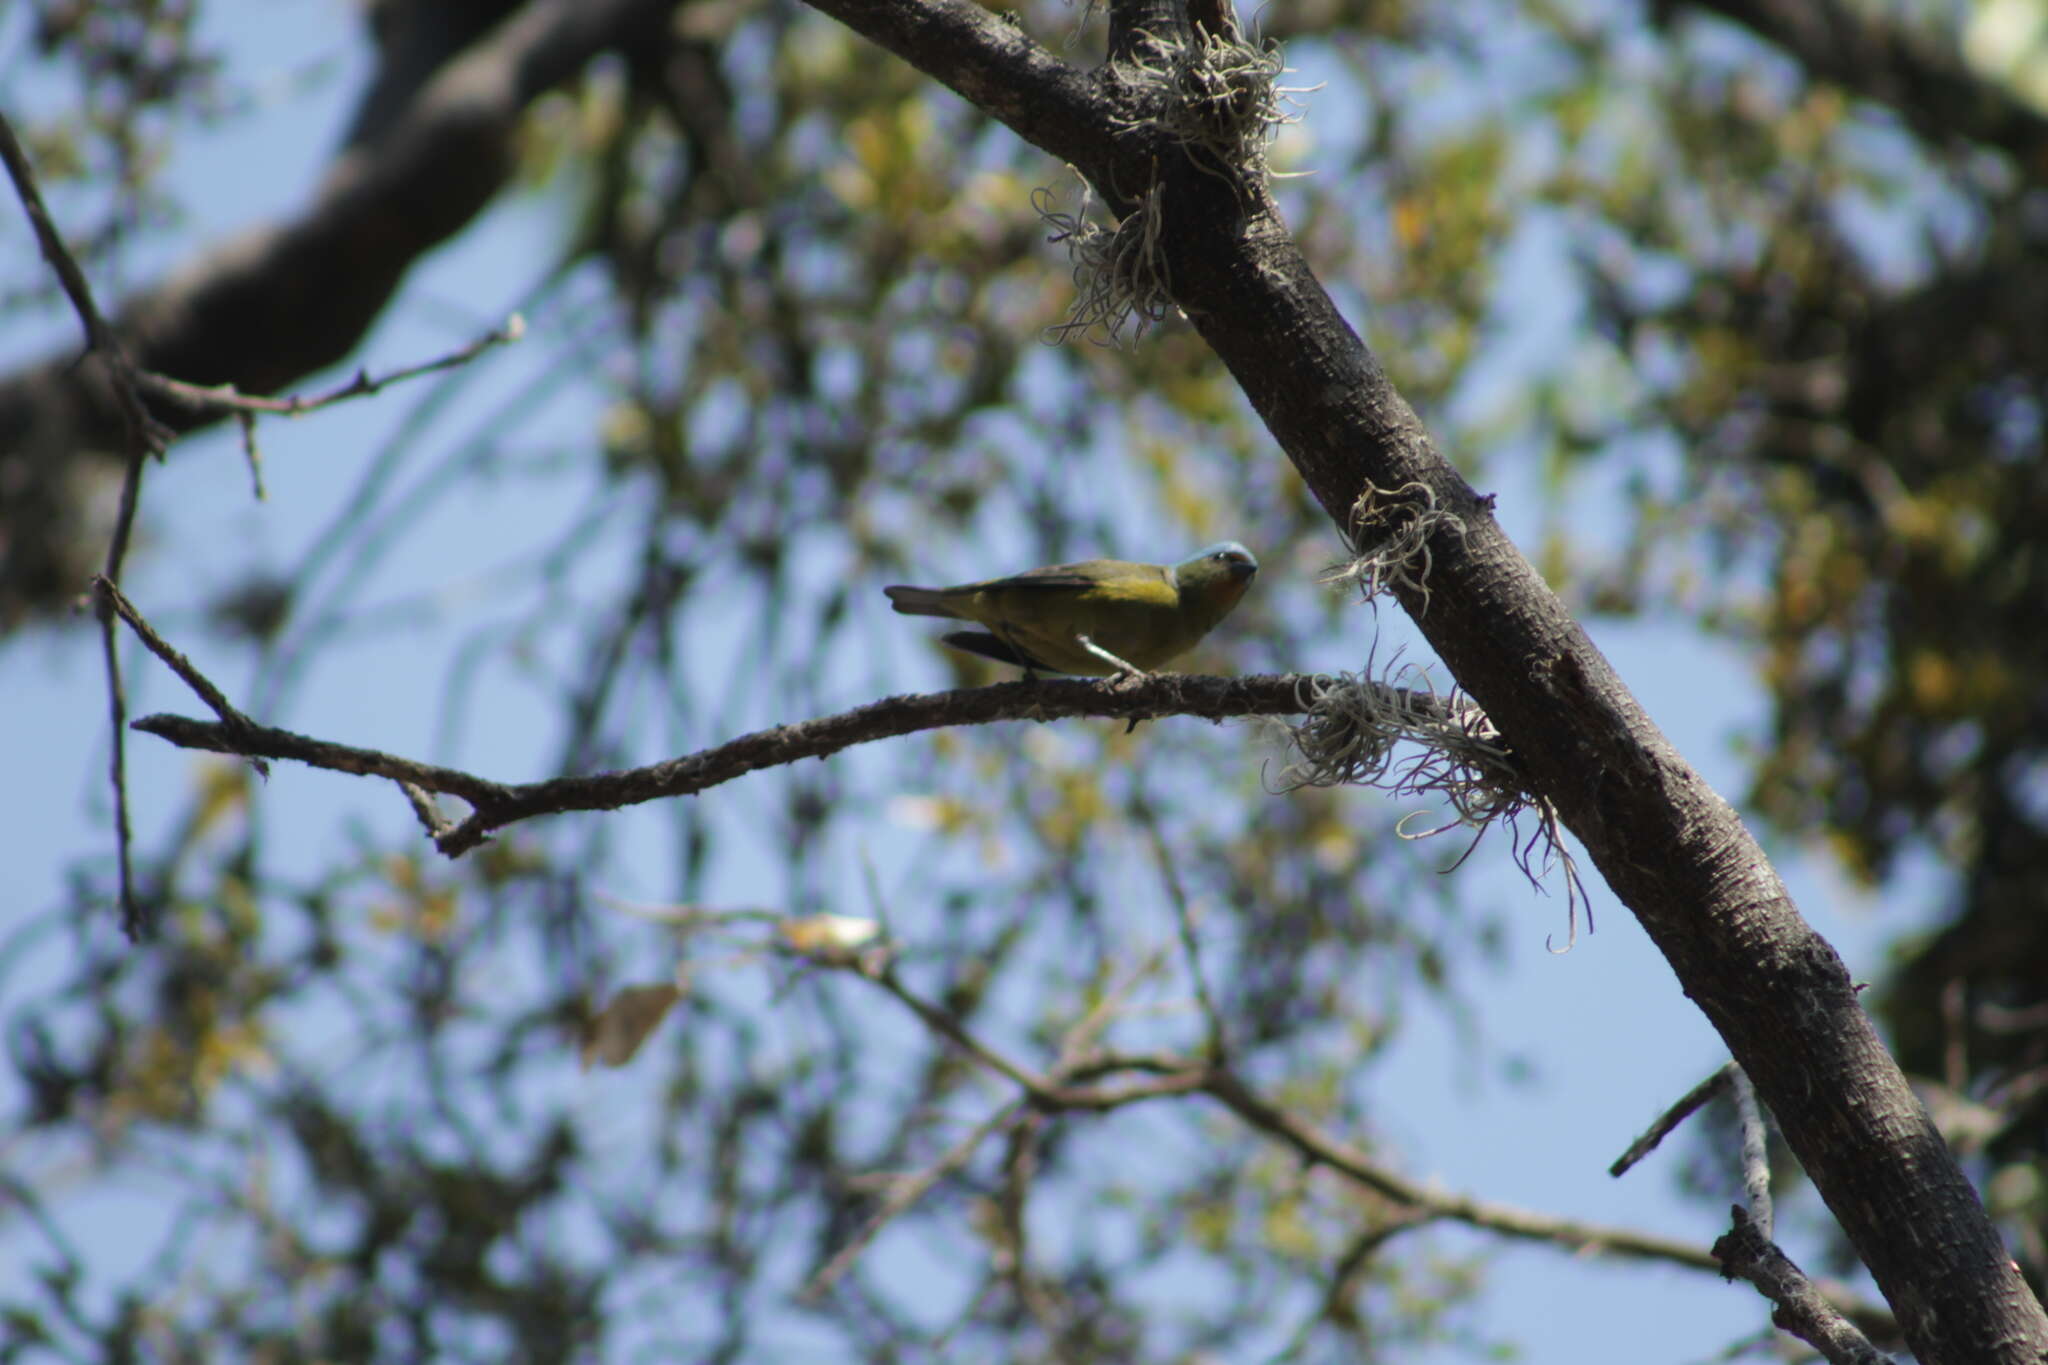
x: 1343, y: 1278
x: 1339, y: 1156
x: 1078, y: 1044
x: 1756, y: 1164
x: 905, y: 1191
x: 216, y: 700
x: 265, y: 741
x: 422, y: 802
x: 1184, y: 920
x: 146, y: 437
x: 1688, y: 1103
x: 254, y: 452
x: 1012, y: 1256
x: 218, y: 399
x: 1066, y: 1089
x: 133, y: 921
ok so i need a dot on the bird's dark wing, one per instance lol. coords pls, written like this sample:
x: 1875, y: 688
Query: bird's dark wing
x: 1058, y: 577
x: 913, y: 601
x: 989, y: 647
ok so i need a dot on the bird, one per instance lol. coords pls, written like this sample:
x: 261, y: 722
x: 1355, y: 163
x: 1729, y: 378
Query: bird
x: 1094, y: 618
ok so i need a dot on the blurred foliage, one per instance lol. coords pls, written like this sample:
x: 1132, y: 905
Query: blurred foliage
x: 809, y: 296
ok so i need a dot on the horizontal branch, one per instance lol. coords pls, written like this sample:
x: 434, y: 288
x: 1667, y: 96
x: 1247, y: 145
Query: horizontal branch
x: 497, y: 804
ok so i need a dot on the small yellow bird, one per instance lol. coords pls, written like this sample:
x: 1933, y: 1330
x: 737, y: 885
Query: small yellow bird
x: 1097, y: 617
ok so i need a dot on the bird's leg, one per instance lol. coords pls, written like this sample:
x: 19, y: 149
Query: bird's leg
x: 1129, y: 670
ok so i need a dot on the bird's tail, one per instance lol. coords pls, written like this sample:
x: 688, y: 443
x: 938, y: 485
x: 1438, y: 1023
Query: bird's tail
x: 920, y: 601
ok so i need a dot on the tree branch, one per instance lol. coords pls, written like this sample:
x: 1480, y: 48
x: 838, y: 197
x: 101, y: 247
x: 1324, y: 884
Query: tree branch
x: 498, y: 804
x: 143, y: 436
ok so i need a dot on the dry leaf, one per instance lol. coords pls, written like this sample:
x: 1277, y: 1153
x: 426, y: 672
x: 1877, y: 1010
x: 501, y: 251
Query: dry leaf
x: 618, y: 1030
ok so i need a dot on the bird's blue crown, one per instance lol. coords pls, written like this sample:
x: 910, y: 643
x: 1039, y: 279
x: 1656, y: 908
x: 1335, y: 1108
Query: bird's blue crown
x: 1229, y: 548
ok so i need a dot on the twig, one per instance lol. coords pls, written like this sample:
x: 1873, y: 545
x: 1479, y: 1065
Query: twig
x: 905, y: 1191
x: 254, y: 452
x: 1066, y: 1089
x: 148, y: 434
x: 146, y: 437
x: 216, y: 700
x: 112, y: 600
x: 942, y: 1022
x: 422, y: 802
x: 1184, y: 920
x: 1756, y: 1164
x: 1801, y: 1309
x: 1344, y: 1277
x: 226, y: 398
x: 1689, y: 1103
x: 1011, y: 1256
x: 1080, y: 1041
x: 133, y: 922
x: 1335, y: 1154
